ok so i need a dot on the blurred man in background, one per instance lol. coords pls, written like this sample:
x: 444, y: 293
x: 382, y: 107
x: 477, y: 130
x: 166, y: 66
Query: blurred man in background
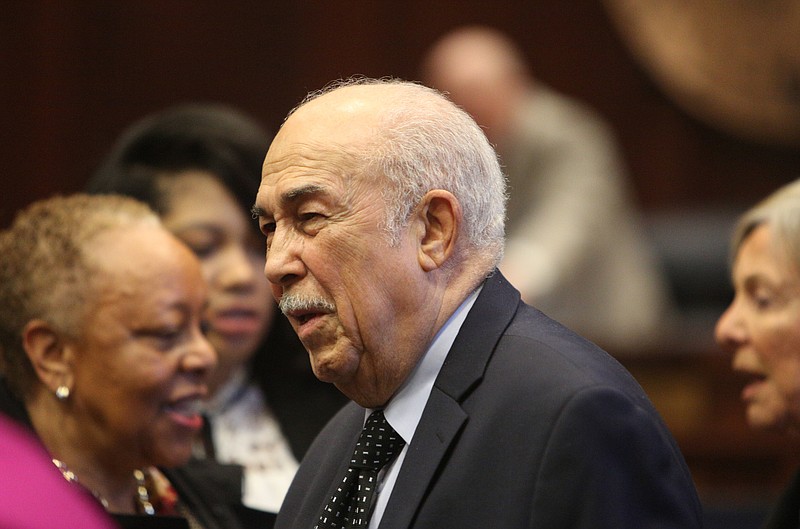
x: 576, y: 247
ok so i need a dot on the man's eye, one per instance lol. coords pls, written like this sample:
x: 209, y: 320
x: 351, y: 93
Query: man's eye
x: 267, y: 228
x: 312, y: 218
x: 312, y: 222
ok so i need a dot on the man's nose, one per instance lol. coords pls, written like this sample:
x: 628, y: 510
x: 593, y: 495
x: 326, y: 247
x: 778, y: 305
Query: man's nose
x: 284, y: 264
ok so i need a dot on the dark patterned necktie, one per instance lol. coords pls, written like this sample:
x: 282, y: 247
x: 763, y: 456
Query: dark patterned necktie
x: 350, y: 505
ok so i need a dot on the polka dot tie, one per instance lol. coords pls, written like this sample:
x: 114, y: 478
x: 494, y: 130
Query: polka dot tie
x: 350, y: 504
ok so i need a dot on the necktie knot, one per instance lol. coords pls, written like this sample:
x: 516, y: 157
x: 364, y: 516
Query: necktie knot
x: 377, y: 444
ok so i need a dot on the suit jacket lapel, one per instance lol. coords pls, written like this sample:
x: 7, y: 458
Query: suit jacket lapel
x: 437, y: 429
x: 444, y: 417
x: 475, y: 343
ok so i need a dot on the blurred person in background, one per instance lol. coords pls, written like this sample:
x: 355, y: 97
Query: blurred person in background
x: 576, y: 247
x: 199, y: 166
x: 761, y: 327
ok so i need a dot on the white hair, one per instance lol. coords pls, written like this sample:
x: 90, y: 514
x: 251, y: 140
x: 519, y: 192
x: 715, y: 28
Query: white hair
x: 426, y: 142
x: 781, y: 210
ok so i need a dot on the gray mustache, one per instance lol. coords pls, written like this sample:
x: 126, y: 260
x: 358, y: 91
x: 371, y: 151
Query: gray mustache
x: 295, y: 302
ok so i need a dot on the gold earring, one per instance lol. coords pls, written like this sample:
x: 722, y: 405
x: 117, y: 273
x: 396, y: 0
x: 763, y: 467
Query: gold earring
x: 62, y: 392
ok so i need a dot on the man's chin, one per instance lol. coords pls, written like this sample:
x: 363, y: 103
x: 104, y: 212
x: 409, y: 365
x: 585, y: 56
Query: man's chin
x: 334, y: 367
x: 327, y: 373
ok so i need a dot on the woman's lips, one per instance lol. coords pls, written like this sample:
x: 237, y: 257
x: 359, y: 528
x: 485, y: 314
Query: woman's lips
x: 236, y: 321
x: 186, y: 412
x: 754, y: 385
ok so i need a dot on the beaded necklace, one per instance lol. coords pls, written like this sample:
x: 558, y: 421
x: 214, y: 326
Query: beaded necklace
x: 142, y: 495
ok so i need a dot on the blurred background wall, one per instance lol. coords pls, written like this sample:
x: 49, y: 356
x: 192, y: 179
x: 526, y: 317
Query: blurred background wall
x: 76, y: 72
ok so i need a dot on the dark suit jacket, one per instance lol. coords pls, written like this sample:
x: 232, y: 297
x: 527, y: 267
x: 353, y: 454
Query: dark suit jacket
x: 528, y: 425
x: 786, y: 513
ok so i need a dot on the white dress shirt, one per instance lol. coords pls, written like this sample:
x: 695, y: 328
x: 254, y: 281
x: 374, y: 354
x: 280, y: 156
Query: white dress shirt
x: 246, y: 432
x: 405, y: 409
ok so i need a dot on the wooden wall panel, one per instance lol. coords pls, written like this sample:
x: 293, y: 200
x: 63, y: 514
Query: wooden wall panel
x: 76, y: 72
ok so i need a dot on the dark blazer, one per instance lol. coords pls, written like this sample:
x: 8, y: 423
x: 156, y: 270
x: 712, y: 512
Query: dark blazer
x: 528, y: 425
x: 786, y: 513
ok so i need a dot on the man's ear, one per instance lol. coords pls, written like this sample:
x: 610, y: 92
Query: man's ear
x: 50, y: 356
x: 440, y: 220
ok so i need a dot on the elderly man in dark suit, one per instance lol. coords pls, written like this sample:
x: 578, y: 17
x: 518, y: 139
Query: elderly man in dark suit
x: 383, y: 206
